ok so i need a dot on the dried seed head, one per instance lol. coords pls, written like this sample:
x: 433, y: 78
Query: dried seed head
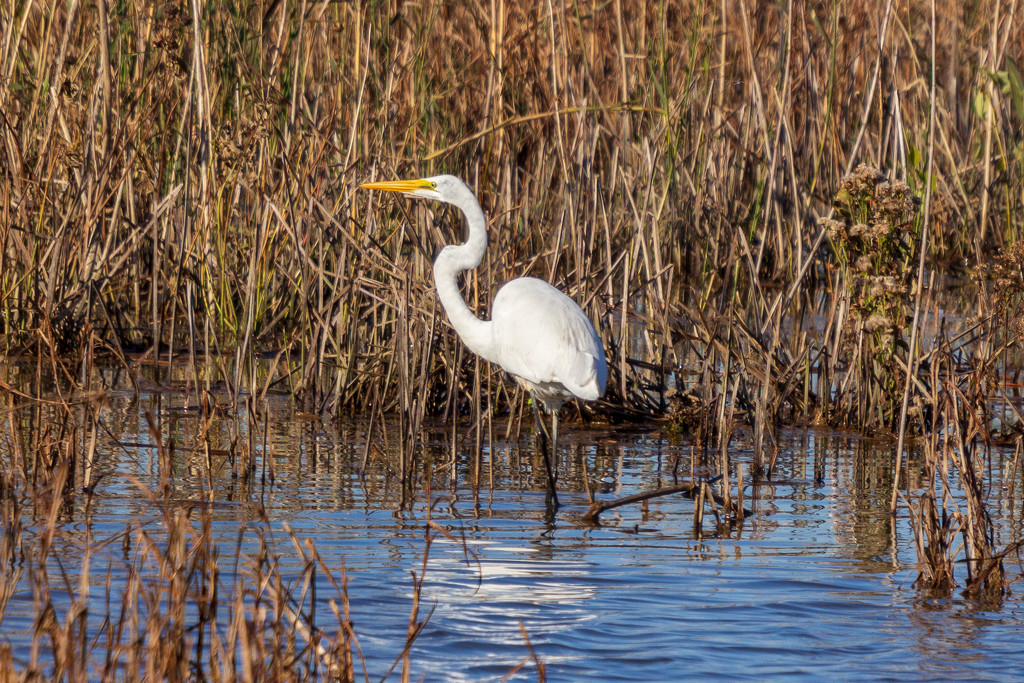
x: 861, y: 183
x: 886, y: 285
x: 835, y: 228
x: 876, y: 322
x: 860, y: 230
x: 895, y: 198
x: 863, y: 264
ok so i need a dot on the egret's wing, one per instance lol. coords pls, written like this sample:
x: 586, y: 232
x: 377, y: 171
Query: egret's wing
x: 544, y: 337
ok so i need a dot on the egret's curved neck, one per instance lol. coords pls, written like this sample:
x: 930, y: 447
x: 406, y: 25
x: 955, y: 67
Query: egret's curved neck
x: 453, y: 260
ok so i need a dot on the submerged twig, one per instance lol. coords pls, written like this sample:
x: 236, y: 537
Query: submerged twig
x: 688, y: 487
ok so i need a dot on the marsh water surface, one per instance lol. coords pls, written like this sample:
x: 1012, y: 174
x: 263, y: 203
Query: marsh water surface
x: 817, y: 583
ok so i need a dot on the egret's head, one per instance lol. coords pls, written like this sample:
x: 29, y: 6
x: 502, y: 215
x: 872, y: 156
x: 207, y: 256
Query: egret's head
x: 443, y: 188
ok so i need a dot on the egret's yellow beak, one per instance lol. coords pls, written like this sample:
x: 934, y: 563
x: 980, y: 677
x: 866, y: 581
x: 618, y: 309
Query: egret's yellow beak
x: 399, y: 185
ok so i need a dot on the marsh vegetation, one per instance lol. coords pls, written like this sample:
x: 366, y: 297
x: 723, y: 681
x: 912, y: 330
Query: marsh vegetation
x: 776, y: 214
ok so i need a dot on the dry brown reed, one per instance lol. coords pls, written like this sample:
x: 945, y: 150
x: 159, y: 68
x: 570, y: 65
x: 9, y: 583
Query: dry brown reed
x: 953, y: 503
x: 179, y: 180
x: 160, y: 599
x: 178, y: 196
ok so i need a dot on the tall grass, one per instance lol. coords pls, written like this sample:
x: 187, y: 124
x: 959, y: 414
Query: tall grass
x: 179, y: 190
x: 179, y: 178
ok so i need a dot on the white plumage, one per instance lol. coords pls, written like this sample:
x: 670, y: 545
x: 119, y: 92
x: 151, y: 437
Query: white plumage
x: 536, y: 333
x: 546, y: 341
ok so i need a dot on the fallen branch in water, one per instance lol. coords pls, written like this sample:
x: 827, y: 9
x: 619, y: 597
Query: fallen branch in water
x: 687, y: 487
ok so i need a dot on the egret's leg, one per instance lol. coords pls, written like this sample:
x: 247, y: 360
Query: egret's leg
x: 554, y: 437
x: 546, y: 449
x: 542, y: 429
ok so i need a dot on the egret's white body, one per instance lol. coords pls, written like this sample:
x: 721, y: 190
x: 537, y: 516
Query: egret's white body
x: 536, y: 333
x: 542, y: 338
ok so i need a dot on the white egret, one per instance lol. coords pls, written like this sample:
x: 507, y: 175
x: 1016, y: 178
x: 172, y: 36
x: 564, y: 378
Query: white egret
x: 536, y: 333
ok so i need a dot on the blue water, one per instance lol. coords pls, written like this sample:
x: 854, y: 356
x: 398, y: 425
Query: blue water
x: 816, y: 584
